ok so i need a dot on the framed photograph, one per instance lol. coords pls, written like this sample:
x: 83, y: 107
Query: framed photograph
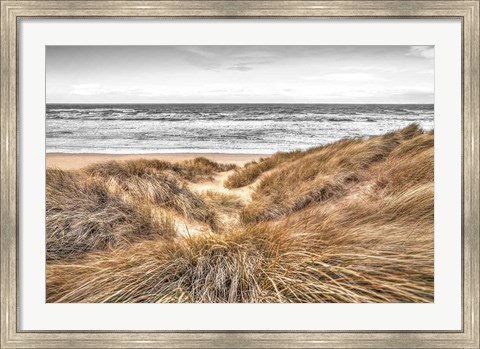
x: 245, y: 174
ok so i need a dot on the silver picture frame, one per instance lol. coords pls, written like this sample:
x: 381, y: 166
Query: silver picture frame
x: 467, y: 11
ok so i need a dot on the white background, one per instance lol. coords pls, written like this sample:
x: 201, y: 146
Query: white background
x: 443, y: 314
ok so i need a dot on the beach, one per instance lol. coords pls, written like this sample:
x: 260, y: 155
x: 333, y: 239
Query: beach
x: 351, y: 222
x: 67, y: 161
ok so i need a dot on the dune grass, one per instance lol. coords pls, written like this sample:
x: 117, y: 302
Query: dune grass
x: 348, y: 222
x: 114, y: 204
x: 321, y: 174
x: 252, y: 170
x: 83, y: 216
x: 196, y: 170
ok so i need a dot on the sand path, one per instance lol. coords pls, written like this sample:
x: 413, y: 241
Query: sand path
x: 216, y: 184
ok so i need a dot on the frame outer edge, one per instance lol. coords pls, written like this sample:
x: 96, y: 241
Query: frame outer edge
x: 10, y: 10
x: 8, y: 198
x: 241, y: 8
x: 471, y: 129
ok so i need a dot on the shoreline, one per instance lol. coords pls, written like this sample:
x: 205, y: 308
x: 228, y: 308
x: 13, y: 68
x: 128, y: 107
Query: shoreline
x: 72, y: 161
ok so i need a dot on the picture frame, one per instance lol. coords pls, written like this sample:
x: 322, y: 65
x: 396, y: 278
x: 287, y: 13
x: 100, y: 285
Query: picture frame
x: 467, y: 11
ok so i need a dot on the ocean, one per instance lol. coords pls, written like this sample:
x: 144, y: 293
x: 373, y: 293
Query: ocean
x: 219, y: 128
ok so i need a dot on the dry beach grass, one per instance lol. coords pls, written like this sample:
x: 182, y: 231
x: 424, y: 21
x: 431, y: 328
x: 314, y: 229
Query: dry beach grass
x: 351, y: 221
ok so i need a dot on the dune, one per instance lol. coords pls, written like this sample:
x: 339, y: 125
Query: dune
x: 347, y: 222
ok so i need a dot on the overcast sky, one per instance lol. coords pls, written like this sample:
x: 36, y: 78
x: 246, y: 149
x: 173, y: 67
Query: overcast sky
x: 240, y: 74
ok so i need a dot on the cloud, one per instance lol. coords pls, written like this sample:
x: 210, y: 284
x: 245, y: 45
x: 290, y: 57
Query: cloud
x: 188, y: 74
x: 249, y: 63
x: 345, y: 77
x: 422, y: 51
x: 370, y: 68
x: 216, y: 58
x: 87, y: 89
x: 240, y: 67
x: 200, y: 57
x: 97, y: 89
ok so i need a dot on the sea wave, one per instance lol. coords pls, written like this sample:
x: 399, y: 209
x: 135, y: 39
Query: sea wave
x: 258, y: 128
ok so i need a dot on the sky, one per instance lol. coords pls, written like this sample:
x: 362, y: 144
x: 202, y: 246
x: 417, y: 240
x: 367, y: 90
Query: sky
x: 240, y: 74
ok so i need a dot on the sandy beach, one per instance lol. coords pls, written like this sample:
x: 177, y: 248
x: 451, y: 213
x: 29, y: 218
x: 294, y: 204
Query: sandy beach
x: 74, y: 161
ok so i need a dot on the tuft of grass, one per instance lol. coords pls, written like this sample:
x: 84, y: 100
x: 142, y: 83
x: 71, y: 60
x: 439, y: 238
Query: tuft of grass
x: 198, y: 169
x: 164, y: 191
x: 227, y: 208
x: 84, y: 216
x: 412, y: 162
x: 252, y: 170
x: 325, y: 189
x: 206, y: 268
x: 223, y: 201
